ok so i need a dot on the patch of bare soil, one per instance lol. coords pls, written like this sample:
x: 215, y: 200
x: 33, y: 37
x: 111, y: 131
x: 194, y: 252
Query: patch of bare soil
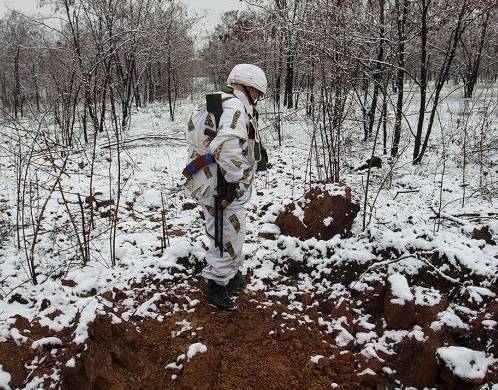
x: 118, y: 357
x: 23, y: 362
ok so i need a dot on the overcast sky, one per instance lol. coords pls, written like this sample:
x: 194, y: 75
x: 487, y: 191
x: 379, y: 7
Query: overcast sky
x: 213, y: 8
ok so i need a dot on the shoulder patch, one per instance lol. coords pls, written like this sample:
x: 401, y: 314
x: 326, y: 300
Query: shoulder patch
x: 237, y: 164
x: 190, y: 124
x: 209, y: 121
x: 235, y: 119
x: 207, y: 172
x: 207, y: 142
x: 217, y: 152
x: 235, y: 222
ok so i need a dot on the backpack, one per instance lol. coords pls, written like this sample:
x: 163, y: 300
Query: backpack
x: 201, y: 171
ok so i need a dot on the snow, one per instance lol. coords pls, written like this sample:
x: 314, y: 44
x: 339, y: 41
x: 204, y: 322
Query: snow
x: 465, y: 362
x: 269, y: 228
x: 194, y: 349
x: 327, y: 221
x: 185, y: 327
x: 362, y: 337
x: 4, y: 379
x: 400, y: 289
x: 17, y: 336
x: 316, y: 358
x: 448, y: 318
x: 193, y: 303
x: 71, y: 363
x: 174, y: 366
x: 35, y: 384
x: 148, y: 307
x: 427, y: 296
x: 476, y: 293
x: 46, y: 341
x: 150, y: 198
x: 299, y: 213
x: 489, y: 324
x: 87, y: 315
x: 367, y: 371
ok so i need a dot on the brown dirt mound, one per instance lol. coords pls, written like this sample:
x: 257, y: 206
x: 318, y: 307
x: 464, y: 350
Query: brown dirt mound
x: 325, y: 215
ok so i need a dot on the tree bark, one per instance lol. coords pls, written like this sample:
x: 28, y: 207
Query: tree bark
x: 401, y: 14
x: 442, y: 77
x: 377, y: 77
x: 423, y: 78
x: 471, y: 75
x: 289, y: 80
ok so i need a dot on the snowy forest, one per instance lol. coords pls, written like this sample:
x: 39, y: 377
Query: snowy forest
x: 370, y: 258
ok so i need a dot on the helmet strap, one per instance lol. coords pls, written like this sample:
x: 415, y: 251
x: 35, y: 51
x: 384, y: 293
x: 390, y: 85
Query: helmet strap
x: 248, y: 95
x: 227, y: 89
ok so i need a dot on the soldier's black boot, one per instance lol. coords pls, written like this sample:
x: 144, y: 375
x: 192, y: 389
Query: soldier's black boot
x: 236, y: 284
x: 218, y: 296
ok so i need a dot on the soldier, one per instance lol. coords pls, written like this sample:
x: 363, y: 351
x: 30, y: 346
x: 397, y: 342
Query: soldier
x: 233, y: 149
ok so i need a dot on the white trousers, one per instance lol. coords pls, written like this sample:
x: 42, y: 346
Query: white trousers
x: 222, y: 268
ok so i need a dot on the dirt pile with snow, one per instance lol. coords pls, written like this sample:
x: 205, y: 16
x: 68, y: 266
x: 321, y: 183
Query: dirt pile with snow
x: 322, y: 215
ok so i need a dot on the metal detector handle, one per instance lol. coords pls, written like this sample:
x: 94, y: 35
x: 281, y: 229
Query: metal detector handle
x: 221, y: 189
x: 214, y: 106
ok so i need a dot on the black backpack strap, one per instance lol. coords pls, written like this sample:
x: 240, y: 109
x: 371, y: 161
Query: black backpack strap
x: 214, y: 106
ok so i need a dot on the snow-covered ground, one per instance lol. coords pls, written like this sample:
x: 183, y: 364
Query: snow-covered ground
x: 338, y: 285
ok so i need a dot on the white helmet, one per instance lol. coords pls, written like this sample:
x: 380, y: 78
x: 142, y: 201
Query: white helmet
x: 249, y: 75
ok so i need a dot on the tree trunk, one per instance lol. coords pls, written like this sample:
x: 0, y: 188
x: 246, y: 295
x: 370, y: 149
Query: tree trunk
x: 17, y: 86
x: 35, y: 85
x: 400, y: 74
x: 289, y: 80
x: 364, y: 109
x: 471, y: 77
x: 377, y: 77
x: 170, y: 100
x: 423, y: 79
x: 442, y: 78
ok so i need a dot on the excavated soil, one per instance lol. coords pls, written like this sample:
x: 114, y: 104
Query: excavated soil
x: 260, y: 346
x: 240, y: 355
x: 325, y: 215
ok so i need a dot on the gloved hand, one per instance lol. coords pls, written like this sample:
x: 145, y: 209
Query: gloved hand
x: 231, y: 194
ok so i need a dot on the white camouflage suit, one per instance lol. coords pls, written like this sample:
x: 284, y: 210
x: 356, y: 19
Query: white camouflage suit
x: 234, y: 152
